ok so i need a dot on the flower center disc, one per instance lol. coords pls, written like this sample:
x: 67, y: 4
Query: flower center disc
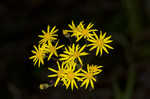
x: 47, y: 36
x: 100, y: 43
x: 77, y: 54
x: 85, y: 32
x: 52, y: 48
x: 89, y: 75
x: 70, y: 75
x: 39, y: 54
x: 60, y: 73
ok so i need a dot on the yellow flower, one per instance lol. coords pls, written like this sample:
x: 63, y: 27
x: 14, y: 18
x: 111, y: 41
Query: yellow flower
x: 70, y: 77
x: 59, y: 73
x: 48, y: 36
x: 88, y: 77
x: 100, y: 43
x: 75, y: 29
x: 85, y: 32
x: 53, y: 49
x: 73, y: 53
x: 39, y: 55
x: 94, y: 68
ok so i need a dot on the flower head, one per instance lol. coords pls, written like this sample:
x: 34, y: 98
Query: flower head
x: 100, y: 43
x: 88, y: 77
x: 59, y: 73
x: 70, y: 77
x: 75, y: 29
x: 94, y: 68
x: 53, y: 49
x: 73, y: 52
x: 39, y: 54
x: 48, y: 36
x: 85, y: 32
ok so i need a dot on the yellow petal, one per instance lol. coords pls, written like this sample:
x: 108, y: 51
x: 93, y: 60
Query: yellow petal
x: 92, y: 48
x: 108, y: 46
x: 53, y: 29
x: 68, y: 84
x: 80, y: 60
x: 43, y: 32
x: 109, y: 41
x: 87, y: 83
x: 50, y: 56
x: 51, y: 69
x: 84, y: 82
x: 83, y: 54
x: 35, y: 61
x: 79, y: 38
x: 94, y: 79
x: 72, y: 84
x: 58, y: 65
x: 56, y: 82
x: 56, y: 53
x: 48, y: 28
x: 54, y: 75
x: 101, y: 51
x: 105, y: 50
x: 107, y: 38
x: 60, y: 47
x: 103, y: 36
x: 90, y: 26
x: 97, y: 51
x: 35, y: 47
x: 82, y: 48
x: 39, y: 63
x: 92, y: 83
x: 32, y: 57
x: 100, y: 36
x: 95, y: 35
x: 75, y: 84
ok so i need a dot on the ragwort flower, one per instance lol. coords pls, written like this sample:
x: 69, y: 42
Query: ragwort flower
x: 100, y: 43
x: 85, y: 32
x: 88, y: 77
x: 48, y: 36
x: 53, y: 49
x: 39, y: 54
x: 71, y: 76
x: 94, y: 68
x: 75, y: 29
x: 73, y: 53
x: 60, y: 73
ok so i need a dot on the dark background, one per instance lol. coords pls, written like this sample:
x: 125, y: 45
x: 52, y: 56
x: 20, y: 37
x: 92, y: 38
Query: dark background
x: 126, y: 72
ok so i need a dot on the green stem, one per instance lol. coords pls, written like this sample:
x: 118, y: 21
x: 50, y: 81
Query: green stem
x: 133, y: 11
x: 130, y: 83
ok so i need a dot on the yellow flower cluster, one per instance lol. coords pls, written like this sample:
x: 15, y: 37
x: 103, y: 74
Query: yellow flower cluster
x: 71, y: 68
x: 69, y: 74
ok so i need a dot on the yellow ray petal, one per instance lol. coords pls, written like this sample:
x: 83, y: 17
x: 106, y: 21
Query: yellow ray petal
x: 84, y: 82
x: 87, y: 83
x: 82, y: 48
x: 97, y: 51
x: 48, y: 28
x: 92, y: 48
x: 50, y: 56
x: 54, y: 75
x: 108, y: 46
x: 56, y: 82
x: 92, y: 85
x: 51, y: 69
x: 105, y: 50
